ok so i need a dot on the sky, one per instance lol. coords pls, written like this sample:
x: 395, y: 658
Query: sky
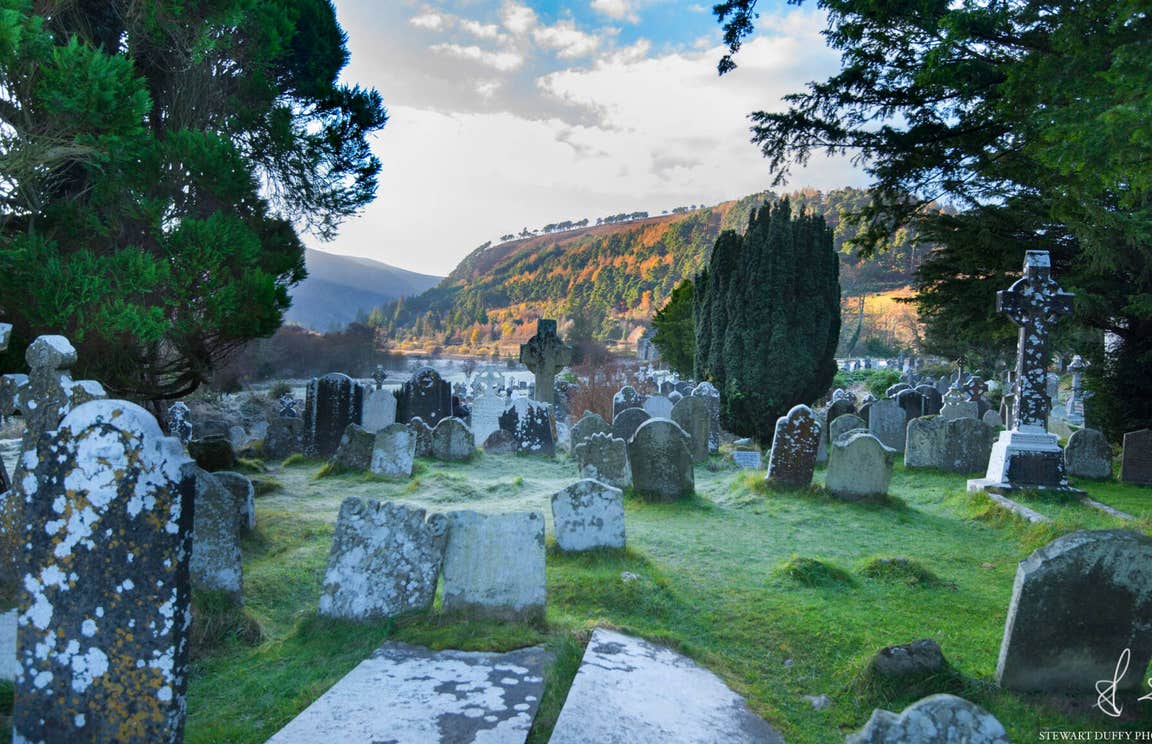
x: 506, y: 114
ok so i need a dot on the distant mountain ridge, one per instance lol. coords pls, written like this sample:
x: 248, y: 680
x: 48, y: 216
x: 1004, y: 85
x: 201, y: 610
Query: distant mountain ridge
x: 340, y: 289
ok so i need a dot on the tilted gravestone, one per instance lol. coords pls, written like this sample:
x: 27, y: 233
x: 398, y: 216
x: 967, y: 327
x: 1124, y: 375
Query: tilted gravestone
x: 590, y: 423
x: 333, y: 402
x: 587, y: 515
x: 693, y: 417
x: 422, y: 433
x: 626, y: 423
x: 531, y: 424
x: 859, y: 466
x: 385, y: 560
x: 494, y: 565
x: 711, y: 396
x: 1136, y: 461
x: 215, y: 564
x: 661, y: 461
x: 888, y: 423
x: 452, y: 441
x: 1077, y: 604
x: 794, y: 444
x: 841, y: 425
x: 102, y: 641
x: 627, y: 397
x: 393, y: 452
x: 936, y: 719
x: 1088, y: 455
x: 604, y: 458
x: 545, y: 355
x: 427, y: 396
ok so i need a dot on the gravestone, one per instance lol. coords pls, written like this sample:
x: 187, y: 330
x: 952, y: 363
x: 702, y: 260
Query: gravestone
x: 1074, y: 409
x: 604, y: 458
x: 102, y: 640
x: 289, y: 405
x: 747, y: 459
x: 675, y: 396
x: 379, y: 409
x: 859, y: 466
x: 1027, y: 456
x: 215, y: 564
x: 912, y: 402
x: 587, y: 515
x: 841, y: 425
x: 992, y: 419
x: 1077, y: 603
x: 627, y: 397
x: 531, y: 424
x: 692, y: 415
x: 936, y: 719
x: 355, y: 450
x: 893, y: 390
x: 179, y: 424
x: 658, y: 406
x: 394, y: 452
x: 545, y: 355
x: 958, y: 409
x: 1136, y: 460
x: 486, y: 412
x: 711, y: 396
x: 626, y: 423
x: 452, y: 441
x: 794, y: 445
x: 500, y: 442
x: 385, y: 560
x: 245, y: 494
x: 661, y: 461
x: 888, y: 423
x: 589, y: 424
x: 212, y: 453
x: 494, y: 565
x: 333, y: 402
x: 1088, y: 455
x: 836, y: 409
x: 285, y: 437
x: 426, y: 396
x: 933, y: 399
x: 967, y: 445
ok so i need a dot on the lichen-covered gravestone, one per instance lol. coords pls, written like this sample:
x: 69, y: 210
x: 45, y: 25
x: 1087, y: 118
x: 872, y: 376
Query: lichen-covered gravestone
x: 1088, y: 455
x: 104, y: 603
x: 658, y: 406
x: 452, y: 441
x: 841, y: 425
x: 589, y: 424
x: 626, y: 423
x: 967, y: 445
x: 936, y: 719
x: 859, y: 466
x: 285, y: 437
x: 385, y: 560
x: 692, y: 415
x: 245, y: 494
x: 426, y: 395
x: 587, y: 515
x: 661, y: 461
x: 355, y: 450
x: 1077, y: 604
x: 333, y: 402
x: 422, y: 433
x: 604, y: 458
x: 711, y: 396
x: 179, y: 425
x: 888, y: 423
x: 627, y: 397
x: 1136, y: 461
x: 794, y: 443
x: 494, y: 565
x: 216, y: 562
x: 394, y: 451
x: 531, y: 423
x: 545, y: 355
x: 927, y: 442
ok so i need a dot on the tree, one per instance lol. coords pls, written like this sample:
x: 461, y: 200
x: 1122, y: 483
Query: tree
x: 768, y: 317
x: 675, y: 334
x: 157, y: 161
x: 1030, y: 117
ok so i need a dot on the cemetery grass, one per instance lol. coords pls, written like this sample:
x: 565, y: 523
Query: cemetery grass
x: 768, y: 589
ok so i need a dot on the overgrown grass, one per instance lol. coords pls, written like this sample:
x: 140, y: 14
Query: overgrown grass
x: 813, y: 572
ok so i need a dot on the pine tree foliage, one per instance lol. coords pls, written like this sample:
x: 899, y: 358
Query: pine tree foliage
x: 675, y: 336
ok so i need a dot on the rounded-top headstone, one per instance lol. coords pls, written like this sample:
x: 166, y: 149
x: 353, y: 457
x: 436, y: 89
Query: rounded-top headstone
x: 859, y: 466
x: 1088, y: 455
x: 661, y: 461
x: 795, y: 443
x: 627, y: 422
x: 841, y: 425
x: 590, y: 423
x: 50, y: 352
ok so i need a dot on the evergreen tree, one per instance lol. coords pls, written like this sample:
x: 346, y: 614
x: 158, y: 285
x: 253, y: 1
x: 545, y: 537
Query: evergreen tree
x: 675, y: 334
x: 768, y: 318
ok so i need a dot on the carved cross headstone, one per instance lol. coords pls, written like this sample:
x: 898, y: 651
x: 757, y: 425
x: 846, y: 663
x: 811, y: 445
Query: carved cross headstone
x: 379, y: 376
x: 289, y: 405
x: 545, y: 354
x: 975, y: 387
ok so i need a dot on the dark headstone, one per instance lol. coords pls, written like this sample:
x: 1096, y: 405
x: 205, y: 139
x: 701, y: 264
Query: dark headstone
x: 693, y: 417
x: 285, y: 437
x: 627, y: 397
x: 427, y: 396
x: 661, y: 461
x: 334, y: 401
x: 794, y: 444
x: 531, y: 424
x: 933, y: 399
x: 545, y: 355
x: 837, y: 409
x: 627, y: 422
x: 1088, y: 455
x: 912, y: 402
x: 1136, y: 462
x: 179, y: 424
x: 212, y: 454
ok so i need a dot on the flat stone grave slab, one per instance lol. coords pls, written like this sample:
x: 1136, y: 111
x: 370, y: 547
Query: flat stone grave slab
x: 747, y: 460
x: 628, y: 690
x: 406, y: 694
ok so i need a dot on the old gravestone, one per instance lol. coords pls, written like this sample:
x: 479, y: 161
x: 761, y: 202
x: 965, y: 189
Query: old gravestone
x: 841, y: 425
x: 500, y: 442
x: 626, y: 423
x: 422, y: 434
x: 379, y: 409
x: 245, y: 493
x: 355, y: 450
x: 892, y: 390
x: 486, y: 411
x: 385, y: 560
x: 604, y: 458
x: 661, y: 461
x: 859, y: 466
x: 967, y: 445
x: 888, y: 423
x: 333, y: 402
x: 178, y: 421
x: 285, y: 437
x: 794, y: 443
x: 1088, y: 455
x: 531, y: 423
x: 215, y: 564
x: 426, y: 395
x: 494, y: 565
x: 587, y: 515
x: 926, y: 443
x: 626, y: 398
x: 394, y: 452
x: 933, y: 399
x: 1027, y: 456
x: 992, y: 419
x: 836, y: 409
x: 1136, y: 461
x: 1076, y: 605
x: 936, y: 719
x: 452, y: 441
x: 545, y: 355
x: 658, y: 406
x: 104, y: 605
x: 956, y: 407
x: 590, y: 423
x: 692, y: 415
x: 711, y: 396
x: 912, y: 403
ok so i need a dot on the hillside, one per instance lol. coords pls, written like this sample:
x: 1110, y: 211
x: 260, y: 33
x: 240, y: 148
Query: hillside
x: 341, y: 288
x: 606, y: 281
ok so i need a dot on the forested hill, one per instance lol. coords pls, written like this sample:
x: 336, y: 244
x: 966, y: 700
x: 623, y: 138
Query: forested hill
x: 605, y: 281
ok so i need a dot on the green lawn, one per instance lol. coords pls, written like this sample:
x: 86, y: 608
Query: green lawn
x: 713, y: 582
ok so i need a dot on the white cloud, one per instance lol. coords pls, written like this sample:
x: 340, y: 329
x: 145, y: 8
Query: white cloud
x: 566, y: 40
x: 503, y: 61
x: 620, y: 10
x: 428, y: 21
x: 481, y: 30
x: 519, y: 19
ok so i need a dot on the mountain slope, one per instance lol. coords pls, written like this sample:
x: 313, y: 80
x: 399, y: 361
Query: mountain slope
x: 340, y: 288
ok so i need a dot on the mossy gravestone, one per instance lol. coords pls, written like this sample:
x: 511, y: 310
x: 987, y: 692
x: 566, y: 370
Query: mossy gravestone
x: 794, y: 445
x: 104, y: 605
x: 661, y: 461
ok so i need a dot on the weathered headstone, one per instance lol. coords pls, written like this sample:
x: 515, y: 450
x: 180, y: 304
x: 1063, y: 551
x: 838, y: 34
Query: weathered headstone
x: 692, y: 415
x: 1074, y: 408
x: 627, y: 397
x: 452, y: 441
x: 859, y: 466
x: 1088, y: 455
x: 333, y: 402
x: 1077, y: 604
x: 494, y: 565
x: 711, y: 395
x: 531, y: 423
x: 285, y: 437
x: 836, y: 409
x: 385, y: 560
x: 675, y: 396
x: 604, y: 458
x: 927, y: 442
x: 245, y: 494
x: 626, y: 423
x: 1028, y: 456
x: 587, y: 515
x: 992, y: 419
x: 486, y: 412
x: 545, y: 355
x: 422, y: 433
x: 212, y: 453
x: 104, y: 603
x: 936, y: 719
x: 893, y: 390
x: 394, y: 451
x: 658, y: 406
x: 590, y: 423
x: 794, y: 444
x: 426, y: 395
x: 216, y: 563
x: 841, y: 425
x: 1136, y: 461
x: 967, y: 445
x: 747, y: 459
x: 958, y: 409
x: 912, y: 402
x: 661, y: 461
x: 355, y: 450
x: 501, y: 442
x: 379, y: 409
x: 179, y: 424
x: 933, y: 399
x: 888, y: 423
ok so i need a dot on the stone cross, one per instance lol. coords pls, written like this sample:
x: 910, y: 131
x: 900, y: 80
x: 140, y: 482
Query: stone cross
x: 975, y: 387
x: 545, y: 354
x: 1076, y: 400
x: 379, y: 376
x: 1033, y: 302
